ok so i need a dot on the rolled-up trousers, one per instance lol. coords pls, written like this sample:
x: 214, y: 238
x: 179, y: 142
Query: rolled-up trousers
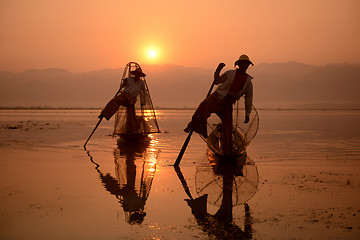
x: 113, y: 105
x: 222, y: 108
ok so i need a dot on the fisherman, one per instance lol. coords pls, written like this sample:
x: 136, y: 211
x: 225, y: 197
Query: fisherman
x: 130, y: 88
x: 233, y: 84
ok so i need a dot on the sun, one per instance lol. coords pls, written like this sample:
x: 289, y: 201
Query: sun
x: 152, y: 53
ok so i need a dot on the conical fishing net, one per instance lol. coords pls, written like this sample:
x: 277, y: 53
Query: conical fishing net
x: 135, y: 171
x: 145, y: 117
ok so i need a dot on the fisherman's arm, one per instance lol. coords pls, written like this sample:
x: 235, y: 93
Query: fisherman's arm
x: 217, y: 78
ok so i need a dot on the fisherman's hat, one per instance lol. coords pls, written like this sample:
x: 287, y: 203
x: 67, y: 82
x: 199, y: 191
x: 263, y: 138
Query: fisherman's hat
x: 138, y: 71
x: 243, y: 58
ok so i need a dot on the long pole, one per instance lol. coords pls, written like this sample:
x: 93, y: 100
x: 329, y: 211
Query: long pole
x: 98, y: 123
x: 92, y: 132
x: 183, y: 181
x: 182, y: 151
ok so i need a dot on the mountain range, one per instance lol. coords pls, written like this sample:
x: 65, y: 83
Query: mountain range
x: 276, y: 85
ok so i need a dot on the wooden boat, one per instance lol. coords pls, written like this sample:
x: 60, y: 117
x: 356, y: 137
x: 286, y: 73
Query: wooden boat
x: 145, y: 117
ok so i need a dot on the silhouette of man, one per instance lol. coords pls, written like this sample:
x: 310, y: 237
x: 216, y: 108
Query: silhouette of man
x: 130, y: 87
x: 232, y: 85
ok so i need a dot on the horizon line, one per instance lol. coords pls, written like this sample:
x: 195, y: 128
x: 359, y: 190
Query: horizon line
x: 177, y: 65
x: 166, y: 108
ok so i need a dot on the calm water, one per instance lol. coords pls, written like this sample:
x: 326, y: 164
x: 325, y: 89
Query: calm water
x: 282, y: 135
x: 62, y: 192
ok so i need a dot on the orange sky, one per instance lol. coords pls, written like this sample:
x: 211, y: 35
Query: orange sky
x: 84, y: 35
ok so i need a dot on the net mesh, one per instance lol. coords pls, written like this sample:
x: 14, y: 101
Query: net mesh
x: 144, y: 110
x: 214, y: 180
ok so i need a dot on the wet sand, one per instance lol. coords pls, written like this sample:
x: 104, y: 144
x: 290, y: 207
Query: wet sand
x: 50, y: 189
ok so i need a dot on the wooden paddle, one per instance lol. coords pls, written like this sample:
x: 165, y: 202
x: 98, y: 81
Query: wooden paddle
x: 182, y: 151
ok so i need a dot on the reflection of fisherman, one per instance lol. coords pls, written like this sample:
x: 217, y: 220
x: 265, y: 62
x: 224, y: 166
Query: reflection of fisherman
x: 131, y: 196
x: 233, y: 85
x: 221, y: 223
x: 131, y: 87
x: 132, y: 202
x: 134, y: 174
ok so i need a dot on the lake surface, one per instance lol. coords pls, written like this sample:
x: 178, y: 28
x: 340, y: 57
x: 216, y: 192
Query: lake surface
x: 282, y: 135
x: 52, y: 188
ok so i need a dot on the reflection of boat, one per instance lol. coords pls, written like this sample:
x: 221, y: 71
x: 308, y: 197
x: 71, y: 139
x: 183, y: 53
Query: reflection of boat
x: 145, y: 117
x: 134, y: 147
x: 242, y: 134
x: 135, y: 167
x: 209, y: 178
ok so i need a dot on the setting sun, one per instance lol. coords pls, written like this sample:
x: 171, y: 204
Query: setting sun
x: 152, y: 53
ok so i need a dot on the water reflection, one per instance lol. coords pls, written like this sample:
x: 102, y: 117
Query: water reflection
x: 135, y: 167
x: 225, y: 182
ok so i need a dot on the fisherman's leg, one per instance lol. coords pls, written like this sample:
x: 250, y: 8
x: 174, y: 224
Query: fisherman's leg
x: 112, y: 106
x: 199, y: 119
x: 130, y: 118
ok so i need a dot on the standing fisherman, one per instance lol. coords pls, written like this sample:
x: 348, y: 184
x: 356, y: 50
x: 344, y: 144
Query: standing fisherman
x: 233, y: 84
x: 130, y: 88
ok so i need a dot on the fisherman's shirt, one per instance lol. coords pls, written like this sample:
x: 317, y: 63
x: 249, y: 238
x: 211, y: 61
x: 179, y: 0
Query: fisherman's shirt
x: 226, y: 80
x: 133, y: 87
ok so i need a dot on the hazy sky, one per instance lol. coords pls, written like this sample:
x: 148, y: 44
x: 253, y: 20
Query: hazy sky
x: 84, y: 35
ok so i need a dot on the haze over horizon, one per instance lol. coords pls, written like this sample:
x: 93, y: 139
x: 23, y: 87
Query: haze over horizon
x: 144, y: 66
x: 280, y: 85
x: 84, y: 36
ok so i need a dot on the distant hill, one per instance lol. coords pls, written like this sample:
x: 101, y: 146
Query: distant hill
x: 51, y: 88
x: 294, y: 84
x: 275, y: 85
